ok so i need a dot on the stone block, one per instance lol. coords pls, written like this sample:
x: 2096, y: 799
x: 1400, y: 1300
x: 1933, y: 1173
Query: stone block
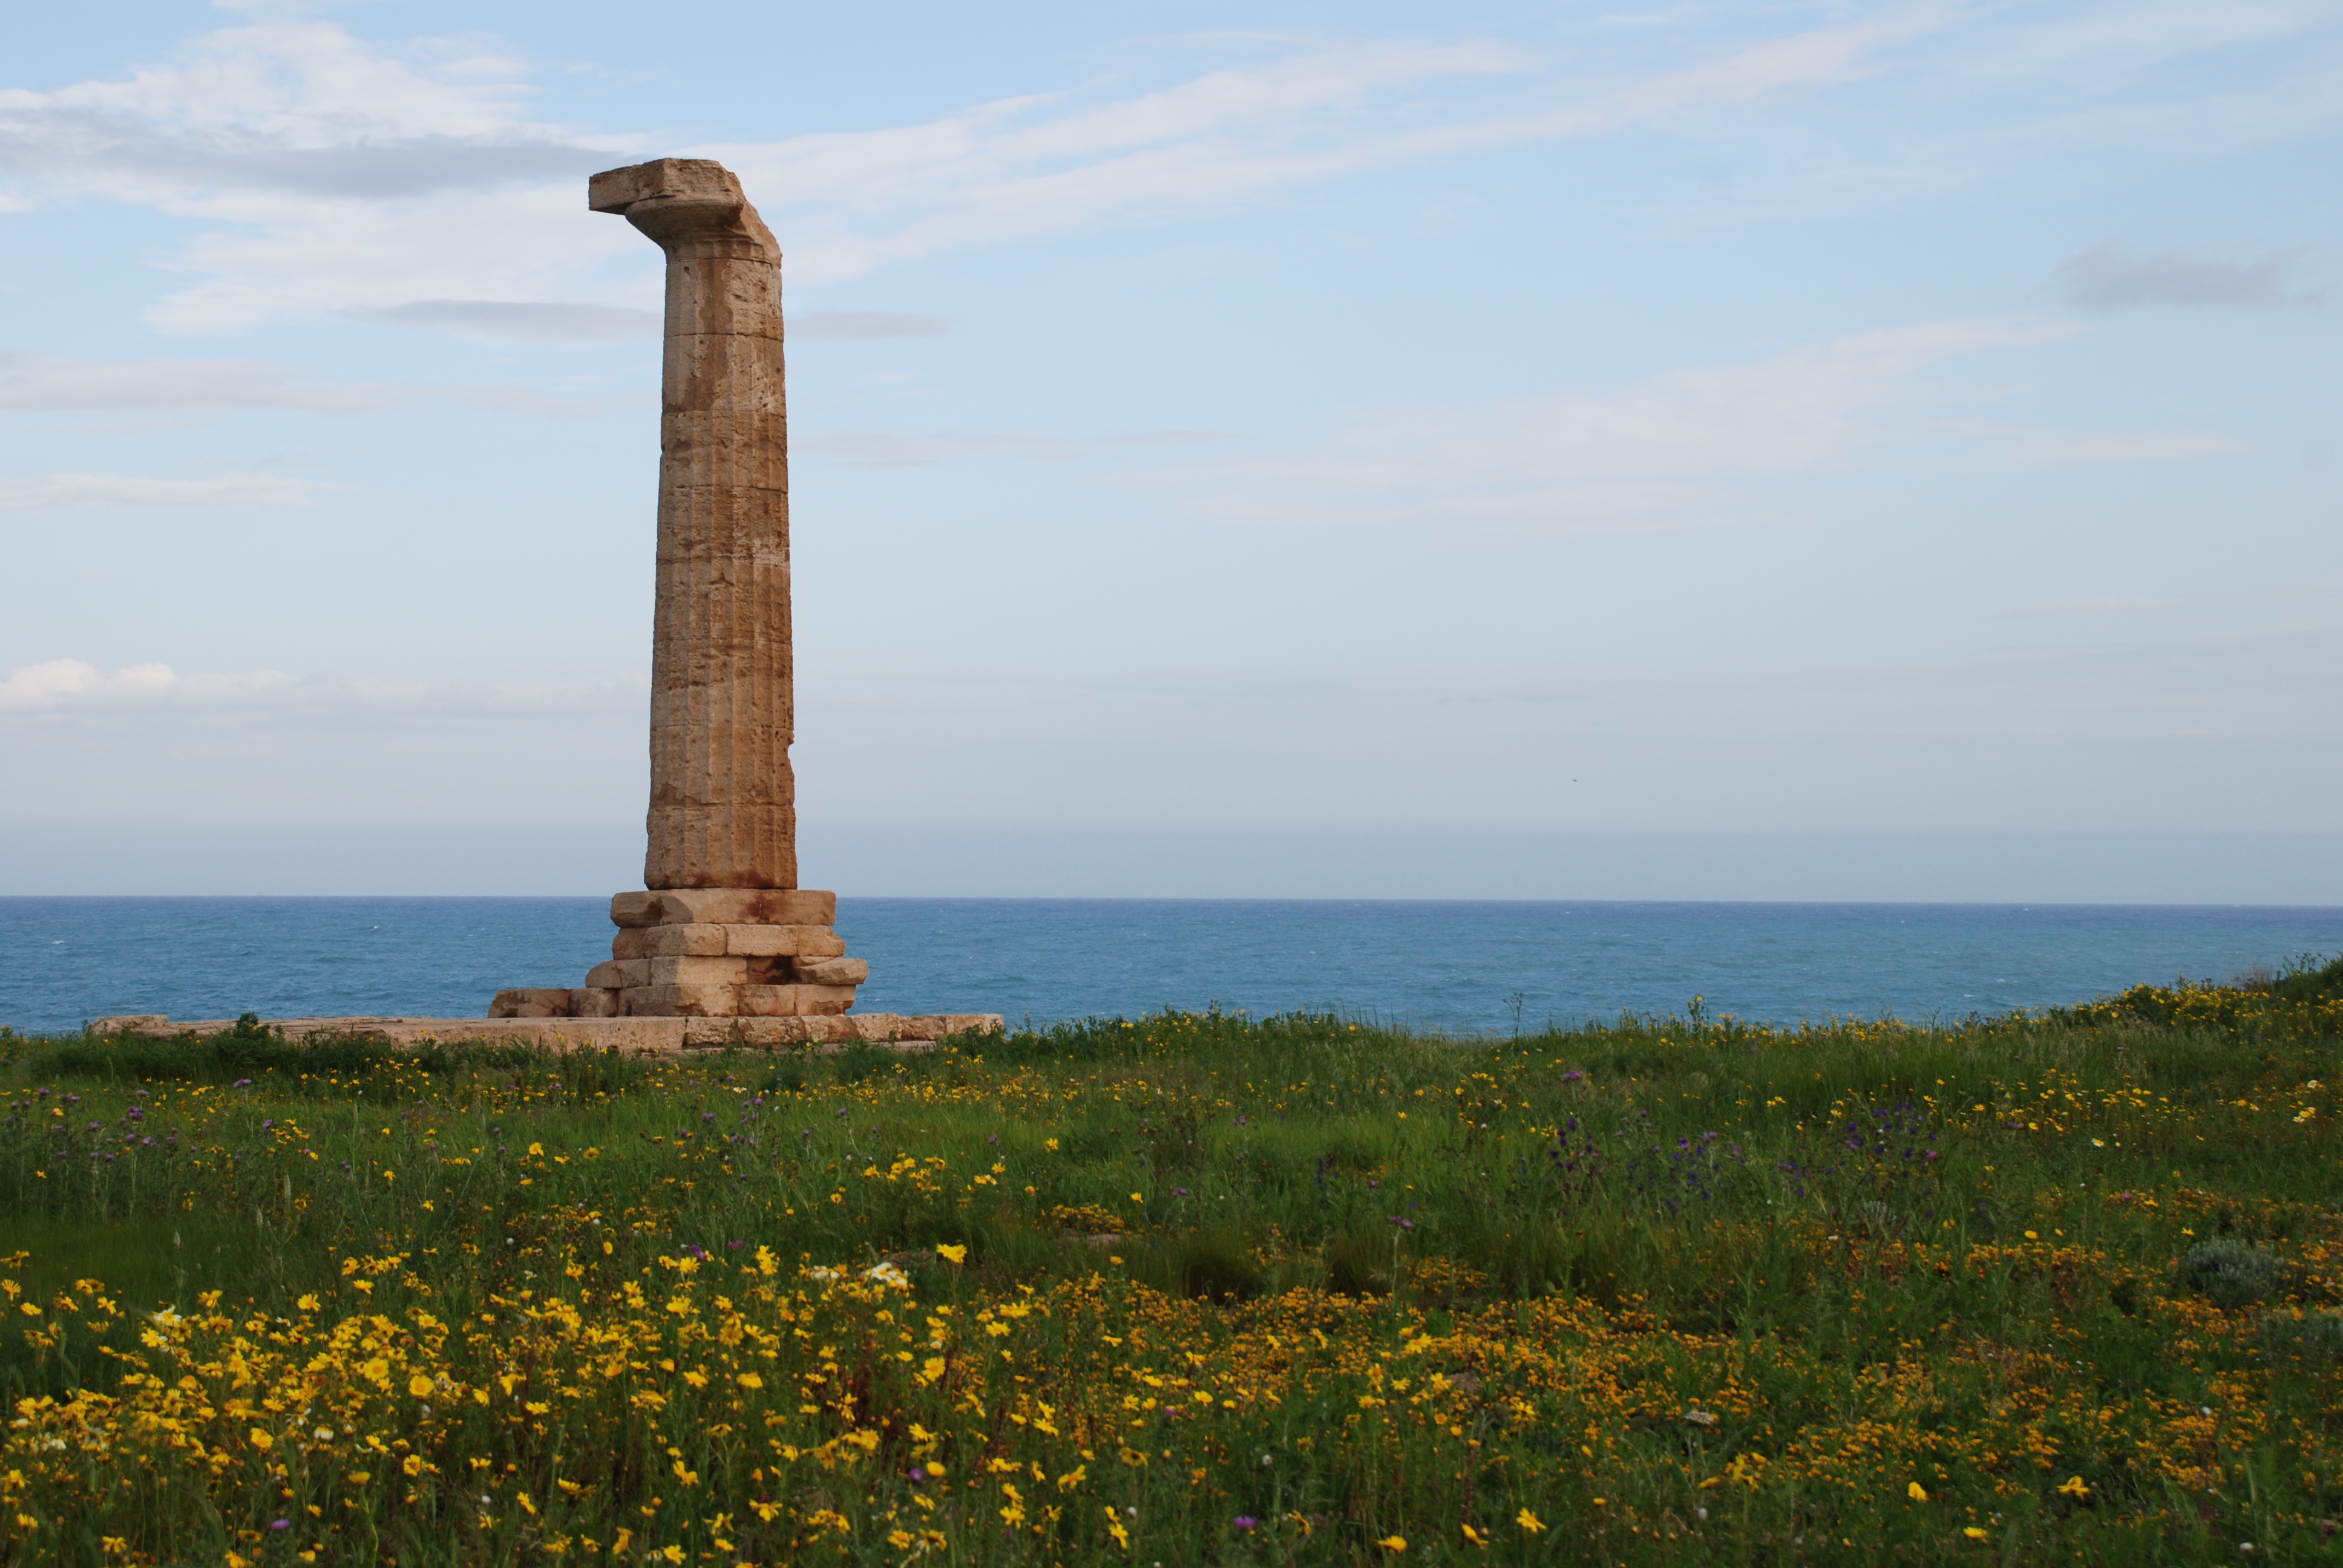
x: 681, y: 1000
x: 814, y: 1000
x: 619, y: 973
x: 129, y: 1023
x: 747, y: 907
x: 782, y: 942
x: 669, y: 943
x: 832, y: 971
x: 531, y: 1001
x: 698, y: 970
x: 769, y: 1001
x: 594, y: 1001
x: 635, y: 909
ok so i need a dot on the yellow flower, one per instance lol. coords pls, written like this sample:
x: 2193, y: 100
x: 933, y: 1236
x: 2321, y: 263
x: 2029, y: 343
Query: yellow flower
x: 1394, y: 1544
x: 750, y: 1380
x: 1529, y: 1522
x: 2076, y: 1487
x: 308, y: 1304
x: 1972, y: 1532
x: 1917, y: 1492
x: 418, y: 1385
x: 260, y: 1440
x: 951, y: 1254
x: 414, y: 1465
x: 1137, y: 1199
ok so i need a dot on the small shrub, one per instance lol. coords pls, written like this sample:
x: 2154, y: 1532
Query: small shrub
x: 2230, y: 1274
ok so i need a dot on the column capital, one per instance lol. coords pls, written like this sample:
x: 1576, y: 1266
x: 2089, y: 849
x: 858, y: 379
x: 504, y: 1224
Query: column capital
x: 681, y: 202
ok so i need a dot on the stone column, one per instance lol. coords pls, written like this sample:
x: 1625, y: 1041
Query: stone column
x: 723, y: 809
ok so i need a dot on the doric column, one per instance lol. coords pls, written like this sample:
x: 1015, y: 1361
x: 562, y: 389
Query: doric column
x: 723, y: 811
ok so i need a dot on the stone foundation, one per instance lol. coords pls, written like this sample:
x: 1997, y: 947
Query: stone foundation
x: 635, y: 1036
x: 710, y: 953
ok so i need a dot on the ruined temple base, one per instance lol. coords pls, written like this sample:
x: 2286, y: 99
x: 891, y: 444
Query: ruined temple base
x: 694, y: 969
x: 708, y: 953
x: 635, y: 1036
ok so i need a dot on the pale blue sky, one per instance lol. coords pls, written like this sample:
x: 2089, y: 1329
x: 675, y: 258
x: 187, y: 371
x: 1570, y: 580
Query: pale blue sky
x: 1564, y: 419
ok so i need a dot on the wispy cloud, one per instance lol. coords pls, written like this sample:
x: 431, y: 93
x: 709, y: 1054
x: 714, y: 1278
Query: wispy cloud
x: 862, y: 325
x: 881, y: 449
x: 71, y: 492
x: 2112, y: 277
x: 516, y: 318
x: 72, y: 683
x: 62, y: 682
x: 1681, y: 450
x: 1029, y: 167
x: 35, y: 384
x: 344, y: 178
x: 31, y: 383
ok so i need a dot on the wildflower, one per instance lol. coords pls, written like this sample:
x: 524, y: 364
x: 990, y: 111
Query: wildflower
x: 1529, y: 1522
x: 1973, y: 1532
x: 1247, y: 1521
x: 951, y: 1253
x: 1394, y: 1544
x: 1916, y: 1492
x: 419, y: 1385
x: 2075, y: 1486
x: 261, y: 1440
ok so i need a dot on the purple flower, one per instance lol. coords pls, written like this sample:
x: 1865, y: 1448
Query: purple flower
x: 1247, y: 1521
x: 1179, y: 1192
x: 280, y: 1525
x: 1573, y: 1076
x: 241, y: 1083
x: 919, y: 1472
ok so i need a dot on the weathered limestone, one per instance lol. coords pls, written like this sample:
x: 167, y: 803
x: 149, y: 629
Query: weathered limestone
x: 648, y: 1036
x: 721, y: 930
x: 696, y: 967
x: 723, y: 811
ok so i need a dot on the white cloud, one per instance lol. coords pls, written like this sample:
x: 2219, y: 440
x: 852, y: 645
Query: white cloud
x: 862, y: 325
x: 1030, y: 167
x: 346, y: 179
x: 1676, y: 451
x: 2111, y: 277
x: 518, y: 319
x: 63, y: 682
x: 70, y: 683
x: 2132, y: 35
x: 66, y: 492
x: 34, y: 382
x: 878, y: 449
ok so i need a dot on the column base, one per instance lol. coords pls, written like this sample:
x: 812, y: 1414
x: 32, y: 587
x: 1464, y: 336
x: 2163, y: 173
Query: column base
x: 708, y: 952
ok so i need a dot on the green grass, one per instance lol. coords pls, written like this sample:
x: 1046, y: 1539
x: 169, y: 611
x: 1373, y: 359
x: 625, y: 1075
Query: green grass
x: 1679, y: 1290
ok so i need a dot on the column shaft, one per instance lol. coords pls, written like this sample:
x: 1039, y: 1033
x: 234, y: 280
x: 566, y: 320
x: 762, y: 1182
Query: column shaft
x: 723, y: 799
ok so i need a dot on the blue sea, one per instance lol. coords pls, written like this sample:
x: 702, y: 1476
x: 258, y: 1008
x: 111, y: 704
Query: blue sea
x: 1463, y: 968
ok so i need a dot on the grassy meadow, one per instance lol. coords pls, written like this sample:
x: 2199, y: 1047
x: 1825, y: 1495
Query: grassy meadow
x: 1192, y: 1289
